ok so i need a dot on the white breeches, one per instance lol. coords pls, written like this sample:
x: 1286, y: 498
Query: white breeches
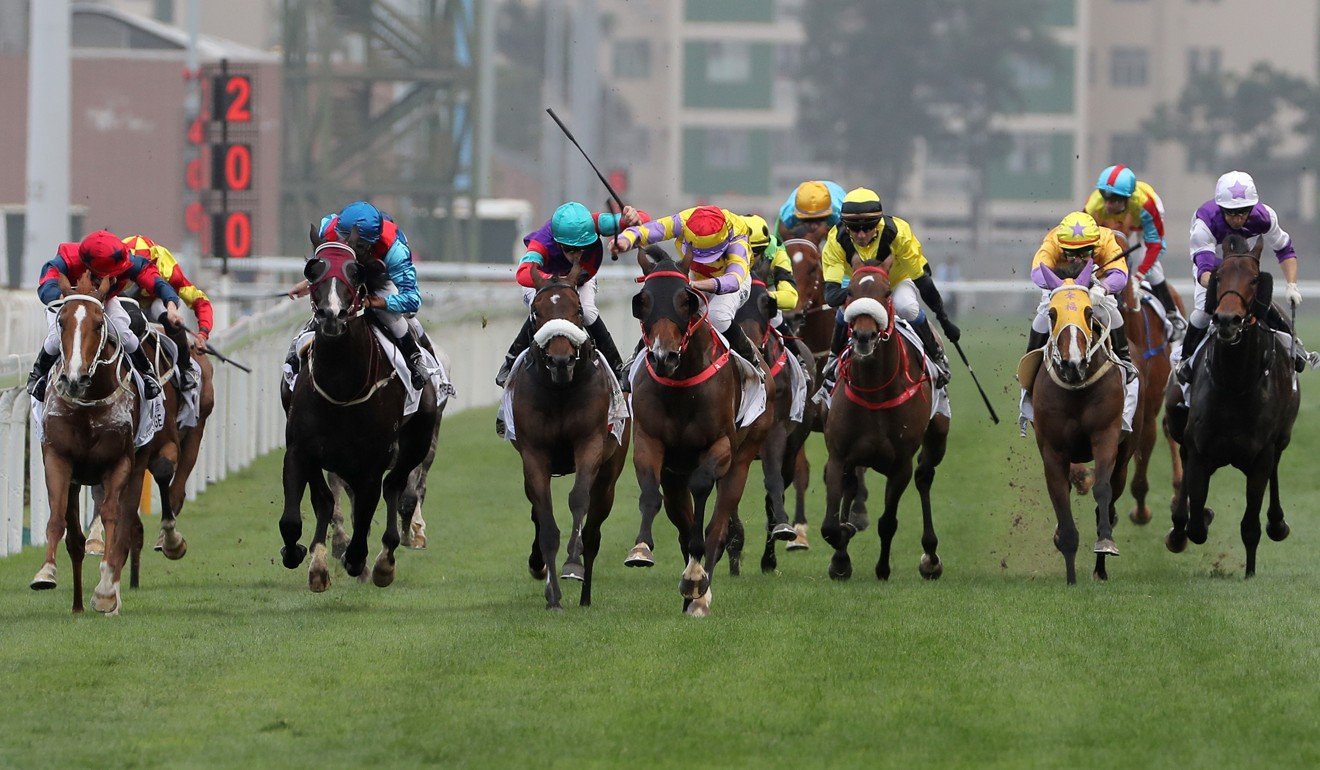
x: 724, y: 306
x: 119, y: 322
x: 1107, y: 310
x: 1200, y: 319
x: 395, y: 323
x: 905, y: 297
x: 586, y: 295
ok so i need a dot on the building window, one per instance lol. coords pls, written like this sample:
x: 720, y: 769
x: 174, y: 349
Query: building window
x: 1129, y: 150
x: 728, y: 150
x: 1128, y: 67
x: 729, y: 63
x: 1203, y: 61
x: 632, y: 58
x: 1029, y: 74
x: 1030, y: 155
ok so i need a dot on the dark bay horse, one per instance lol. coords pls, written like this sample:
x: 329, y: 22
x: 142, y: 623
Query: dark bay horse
x: 1077, y: 395
x: 1151, y: 349
x: 345, y: 416
x: 89, y: 428
x: 786, y: 438
x: 1244, y: 400
x: 880, y: 415
x: 686, y: 442
x: 561, y: 405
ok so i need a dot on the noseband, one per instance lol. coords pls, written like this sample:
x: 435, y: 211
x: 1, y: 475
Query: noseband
x: 97, y: 360
x: 694, y: 322
x: 860, y: 306
x: 1093, y: 345
x: 558, y: 327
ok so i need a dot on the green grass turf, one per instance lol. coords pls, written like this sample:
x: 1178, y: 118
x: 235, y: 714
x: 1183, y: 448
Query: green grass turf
x: 226, y: 659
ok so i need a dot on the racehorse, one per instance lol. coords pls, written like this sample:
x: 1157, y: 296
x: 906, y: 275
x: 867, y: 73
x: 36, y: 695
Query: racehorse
x: 1151, y: 348
x: 1077, y: 396
x: 686, y: 394
x: 89, y: 427
x: 1244, y: 400
x: 880, y: 415
x: 784, y: 442
x: 345, y: 416
x: 562, y: 400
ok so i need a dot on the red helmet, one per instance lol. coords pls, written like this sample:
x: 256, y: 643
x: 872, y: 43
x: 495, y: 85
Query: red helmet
x: 104, y: 254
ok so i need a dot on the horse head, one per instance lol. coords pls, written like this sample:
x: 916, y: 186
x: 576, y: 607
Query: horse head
x: 1242, y: 292
x: 557, y: 318
x: 1071, y: 335
x: 869, y: 312
x: 338, y: 288
x: 804, y: 256
x: 669, y: 308
x: 84, y: 331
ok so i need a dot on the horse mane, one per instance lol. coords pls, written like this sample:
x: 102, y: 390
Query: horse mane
x: 1071, y: 268
x: 1236, y: 246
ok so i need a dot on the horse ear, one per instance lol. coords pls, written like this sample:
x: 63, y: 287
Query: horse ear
x: 768, y: 306
x: 574, y: 273
x: 66, y: 288
x: 103, y: 288
x: 1264, y: 293
x: 645, y: 261
x: 640, y: 304
x: 1054, y: 317
x: 1089, y: 314
x: 1260, y: 247
x: 314, y: 235
x: 352, y: 240
x: 538, y: 279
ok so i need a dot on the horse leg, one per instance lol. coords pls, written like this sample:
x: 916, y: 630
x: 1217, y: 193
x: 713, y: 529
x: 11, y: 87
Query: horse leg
x: 1060, y: 489
x: 648, y: 458
x: 536, y: 485
x: 588, y: 458
x: 598, y: 509
x: 324, y: 503
x: 857, y: 515
x: 106, y: 597
x: 840, y: 484
x: 339, y: 540
x: 932, y: 454
x: 1257, y: 480
x: 1277, y: 528
x: 396, y: 481
x: 1105, y: 449
x: 190, y: 444
x: 773, y: 451
x: 705, y: 542
x: 59, y: 490
x: 801, y: 473
x: 414, y: 526
x: 1196, y: 480
x: 163, y: 469
x: 1176, y: 539
x: 295, y: 482
x: 732, y: 469
x: 678, y: 507
x: 1176, y: 465
x: 734, y: 543
x: 366, y: 496
x: 136, y: 535
x: 895, y: 484
x: 76, y: 544
x: 1140, y: 513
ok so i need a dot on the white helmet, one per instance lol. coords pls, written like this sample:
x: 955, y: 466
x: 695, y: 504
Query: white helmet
x: 1236, y: 190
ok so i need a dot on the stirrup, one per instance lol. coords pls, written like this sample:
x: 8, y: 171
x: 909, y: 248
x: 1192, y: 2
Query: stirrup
x: 417, y: 371
x: 36, y: 388
x: 506, y: 370
x: 150, y: 386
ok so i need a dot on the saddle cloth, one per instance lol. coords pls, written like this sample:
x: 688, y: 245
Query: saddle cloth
x: 1131, y: 393
x: 752, y: 403
x: 939, y: 402
x: 618, y: 414
x: 190, y: 407
x: 150, y: 418
x: 434, y: 366
x: 1146, y: 297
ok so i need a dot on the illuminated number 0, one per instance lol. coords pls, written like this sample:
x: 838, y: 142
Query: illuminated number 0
x: 238, y: 167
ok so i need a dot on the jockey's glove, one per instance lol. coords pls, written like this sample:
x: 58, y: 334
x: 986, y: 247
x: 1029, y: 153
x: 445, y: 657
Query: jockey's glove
x: 1098, y: 294
x: 1294, y: 294
x: 951, y: 330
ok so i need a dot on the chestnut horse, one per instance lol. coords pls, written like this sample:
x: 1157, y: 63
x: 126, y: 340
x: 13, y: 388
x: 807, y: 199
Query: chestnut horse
x: 1151, y: 349
x: 345, y: 416
x: 687, y: 442
x: 561, y: 403
x: 89, y: 428
x: 1077, y: 395
x: 1244, y: 400
x: 880, y: 415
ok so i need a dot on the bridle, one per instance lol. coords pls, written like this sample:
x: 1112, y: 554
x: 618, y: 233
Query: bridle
x: 694, y: 322
x: 557, y: 327
x: 334, y: 260
x: 115, y: 359
x: 1093, y: 344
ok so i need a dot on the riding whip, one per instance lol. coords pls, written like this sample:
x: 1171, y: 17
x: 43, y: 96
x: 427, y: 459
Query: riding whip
x: 993, y: 417
x: 599, y: 175
x: 225, y: 358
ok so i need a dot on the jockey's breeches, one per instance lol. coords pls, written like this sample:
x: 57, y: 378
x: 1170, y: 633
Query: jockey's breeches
x: 1199, y: 318
x: 586, y: 295
x: 120, y: 323
x: 723, y: 307
x: 395, y: 323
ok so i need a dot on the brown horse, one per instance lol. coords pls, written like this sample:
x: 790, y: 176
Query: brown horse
x: 89, y: 428
x: 345, y: 416
x: 686, y: 441
x: 561, y: 404
x: 1077, y: 396
x: 1150, y: 348
x: 1244, y: 401
x: 880, y: 415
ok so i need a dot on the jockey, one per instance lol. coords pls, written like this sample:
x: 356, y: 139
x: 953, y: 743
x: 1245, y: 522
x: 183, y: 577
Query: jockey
x: 865, y: 233
x: 102, y: 255
x: 196, y: 299
x: 573, y: 232
x: 810, y: 211
x: 783, y: 287
x: 1121, y: 202
x: 714, y: 243
x: 1236, y: 208
x: 394, y: 305
x: 1079, y: 243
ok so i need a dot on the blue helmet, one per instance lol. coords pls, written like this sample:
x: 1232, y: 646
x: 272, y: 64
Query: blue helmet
x: 366, y: 217
x: 1117, y: 180
x: 573, y: 226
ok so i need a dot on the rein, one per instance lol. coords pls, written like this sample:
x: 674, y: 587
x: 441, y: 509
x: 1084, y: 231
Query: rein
x: 693, y: 323
x: 855, y: 392
x: 373, y: 366
x: 699, y: 377
x: 1093, y: 346
x: 115, y: 360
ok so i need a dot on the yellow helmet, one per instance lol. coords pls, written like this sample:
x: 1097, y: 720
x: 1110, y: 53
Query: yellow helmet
x: 760, y: 236
x: 812, y: 201
x: 1077, y: 231
x: 862, y: 204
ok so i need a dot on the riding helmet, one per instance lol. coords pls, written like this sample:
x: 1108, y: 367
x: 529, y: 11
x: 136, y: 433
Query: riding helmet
x: 1236, y: 190
x: 812, y: 201
x: 572, y: 225
x: 1077, y: 231
x: 366, y: 217
x: 1117, y: 180
x: 104, y: 253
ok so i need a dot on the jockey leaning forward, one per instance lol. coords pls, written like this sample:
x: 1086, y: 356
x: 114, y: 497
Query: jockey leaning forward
x: 714, y: 243
x: 571, y: 235
x: 193, y: 297
x: 102, y: 255
x: 1236, y: 208
x: 782, y: 287
x: 866, y: 233
x: 394, y: 305
x: 1078, y: 247
x: 1122, y: 203
x: 810, y: 211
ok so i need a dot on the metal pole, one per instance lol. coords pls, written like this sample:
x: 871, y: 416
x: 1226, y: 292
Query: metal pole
x: 224, y: 188
x: 47, y: 213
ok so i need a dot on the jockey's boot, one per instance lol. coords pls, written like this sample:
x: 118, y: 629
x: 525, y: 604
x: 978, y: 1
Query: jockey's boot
x: 179, y: 336
x: 1179, y: 324
x: 417, y: 372
x: 521, y: 341
x: 1037, y: 340
x: 744, y: 347
x: 150, y: 385
x: 1189, y: 343
x: 605, y: 344
x: 1302, y: 359
x: 934, y: 350
x: 36, y: 383
x: 1119, y: 342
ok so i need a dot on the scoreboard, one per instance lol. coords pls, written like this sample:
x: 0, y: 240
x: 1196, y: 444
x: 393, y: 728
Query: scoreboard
x: 221, y: 176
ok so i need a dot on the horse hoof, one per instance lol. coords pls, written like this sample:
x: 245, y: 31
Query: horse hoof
x: 639, y: 556
x: 1140, y: 515
x: 295, y: 557
x: 859, y: 521
x: 735, y: 566
x: 799, y: 538
x: 1209, y: 516
x: 694, y: 589
x: 573, y: 571
x: 159, y: 547
x: 1082, y: 478
x: 96, y: 547
x: 44, y: 579
x: 700, y: 606
x: 1175, y: 541
x: 1278, y: 531
x: 176, y: 553
x: 418, y: 532
x: 381, y: 577
x: 1100, y: 576
x: 768, y: 566
x: 355, y: 569
x: 538, y: 574
x: 1106, y: 546
x: 784, y: 532
x: 107, y: 604
x: 1198, y: 536
x: 840, y: 567
x: 318, y: 580
x: 930, y: 567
